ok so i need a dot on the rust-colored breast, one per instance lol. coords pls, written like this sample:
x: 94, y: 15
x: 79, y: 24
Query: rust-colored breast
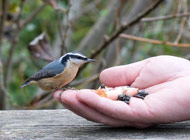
x: 60, y: 80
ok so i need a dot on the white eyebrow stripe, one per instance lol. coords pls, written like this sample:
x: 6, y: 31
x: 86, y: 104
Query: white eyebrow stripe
x: 76, y: 54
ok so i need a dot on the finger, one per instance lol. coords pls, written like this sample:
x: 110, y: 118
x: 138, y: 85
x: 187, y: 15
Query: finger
x: 124, y: 123
x: 57, y: 95
x: 122, y: 75
x: 137, y: 111
x: 161, y: 69
x: 171, y: 102
x: 71, y: 109
x: 75, y: 109
x: 70, y: 100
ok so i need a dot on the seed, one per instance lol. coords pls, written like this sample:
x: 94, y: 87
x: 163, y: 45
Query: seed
x: 102, y: 86
x: 125, y: 98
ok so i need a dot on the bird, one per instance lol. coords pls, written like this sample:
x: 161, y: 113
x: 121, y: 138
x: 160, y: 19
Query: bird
x: 59, y: 72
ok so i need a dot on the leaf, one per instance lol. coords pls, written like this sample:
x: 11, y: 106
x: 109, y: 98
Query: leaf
x: 40, y: 48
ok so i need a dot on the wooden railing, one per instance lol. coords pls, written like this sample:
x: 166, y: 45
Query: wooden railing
x: 63, y: 124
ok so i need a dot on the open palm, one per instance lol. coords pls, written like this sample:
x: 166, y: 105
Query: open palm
x: 165, y: 78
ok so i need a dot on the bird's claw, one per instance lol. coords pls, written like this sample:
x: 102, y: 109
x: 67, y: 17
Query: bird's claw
x: 67, y: 88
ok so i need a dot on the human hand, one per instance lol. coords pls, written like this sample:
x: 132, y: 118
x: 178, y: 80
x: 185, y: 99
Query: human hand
x: 165, y: 78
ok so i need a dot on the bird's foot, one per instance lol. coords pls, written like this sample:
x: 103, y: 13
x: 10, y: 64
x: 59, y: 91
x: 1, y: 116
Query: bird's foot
x: 67, y: 88
x: 64, y: 89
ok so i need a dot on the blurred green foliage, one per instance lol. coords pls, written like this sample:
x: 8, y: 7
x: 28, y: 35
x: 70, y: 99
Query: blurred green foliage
x: 46, y: 21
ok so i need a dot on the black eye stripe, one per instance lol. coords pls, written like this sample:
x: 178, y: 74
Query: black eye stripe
x: 78, y: 57
x: 68, y: 56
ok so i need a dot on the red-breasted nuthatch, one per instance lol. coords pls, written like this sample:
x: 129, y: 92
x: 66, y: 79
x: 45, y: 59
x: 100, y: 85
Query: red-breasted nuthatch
x: 58, y: 73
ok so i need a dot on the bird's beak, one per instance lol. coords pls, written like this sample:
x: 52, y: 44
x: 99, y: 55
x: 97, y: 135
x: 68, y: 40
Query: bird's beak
x: 91, y: 60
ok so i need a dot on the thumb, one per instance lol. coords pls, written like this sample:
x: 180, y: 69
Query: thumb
x: 122, y: 75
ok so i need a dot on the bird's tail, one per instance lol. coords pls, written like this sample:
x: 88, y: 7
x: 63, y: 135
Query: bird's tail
x: 25, y: 84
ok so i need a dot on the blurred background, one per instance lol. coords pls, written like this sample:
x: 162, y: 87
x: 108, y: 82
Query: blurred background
x: 35, y: 32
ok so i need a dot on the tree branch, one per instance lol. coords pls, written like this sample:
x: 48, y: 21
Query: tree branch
x: 63, y: 27
x: 3, y: 91
x: 153, y: 41
x: 122, y: 28
x: 95, y: 35
x: 20, y: 13
x: 3, y: 18
x: 2, y: 22
x: 151, y: 19
x: 20, y: 26
x: 183, y: 21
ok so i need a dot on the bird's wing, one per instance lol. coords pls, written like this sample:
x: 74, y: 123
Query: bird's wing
x: 42, y: 74
x: 52, y: 69
x: 48, y: 71
x: 39, y: 75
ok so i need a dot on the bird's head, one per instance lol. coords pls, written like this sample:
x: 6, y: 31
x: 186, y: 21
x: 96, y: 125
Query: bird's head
x: 76, y: 58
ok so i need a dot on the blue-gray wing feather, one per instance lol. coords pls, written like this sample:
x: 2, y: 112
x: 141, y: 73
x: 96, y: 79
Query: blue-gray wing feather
x: 52, y: 69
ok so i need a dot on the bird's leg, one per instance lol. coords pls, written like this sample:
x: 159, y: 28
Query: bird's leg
x: 141, y: 94
x: 66, y: 88
x: 71, y: 88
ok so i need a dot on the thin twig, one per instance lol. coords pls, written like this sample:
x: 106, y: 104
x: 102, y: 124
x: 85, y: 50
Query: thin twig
x: 151, y: 19
x: 32, y: 15
x: 43, y: 105
x: 122, y: 28
x: 88, y: 8
x: 60, y: 31
x: 181, y: 30
x: 116, y: 25
x: 2, y: 22
x: 183, y: 21
x: 63, y: 29
x: 20, y: 13
x: 3, y: 91
x: 153, y: 41
x: 63, y: 26
x: 21, y: 25
x: 13, y: 44
x: 10, y: 57
x: 3, y: 18
x: 44, y: 102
